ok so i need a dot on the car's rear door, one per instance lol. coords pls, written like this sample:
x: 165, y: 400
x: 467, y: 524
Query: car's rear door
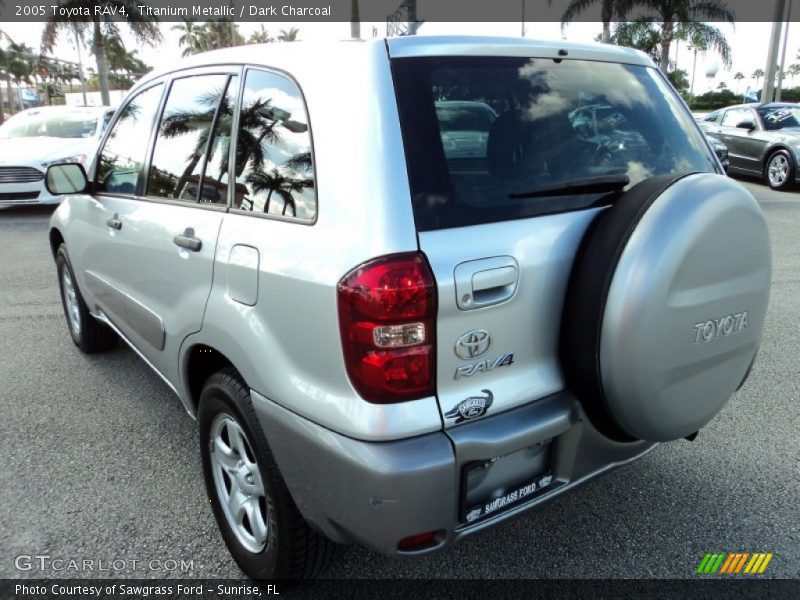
x: 745, y: 146
x: 501, y: 253
x: 153, y: 271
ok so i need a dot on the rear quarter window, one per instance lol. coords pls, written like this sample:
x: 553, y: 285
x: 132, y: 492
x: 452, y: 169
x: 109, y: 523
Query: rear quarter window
x: 479, y: 131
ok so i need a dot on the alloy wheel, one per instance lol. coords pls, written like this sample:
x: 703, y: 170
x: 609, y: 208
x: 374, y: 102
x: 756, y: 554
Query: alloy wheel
x: 71, y: 302
x: 778, y: 170
x: 238, y: 483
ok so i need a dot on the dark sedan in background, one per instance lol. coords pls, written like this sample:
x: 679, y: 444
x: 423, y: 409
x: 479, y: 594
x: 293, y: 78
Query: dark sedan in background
x: 721, y: 150
x: 762, y: 140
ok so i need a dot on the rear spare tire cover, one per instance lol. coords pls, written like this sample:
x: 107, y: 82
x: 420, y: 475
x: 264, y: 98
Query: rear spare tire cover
x: 665, y: 305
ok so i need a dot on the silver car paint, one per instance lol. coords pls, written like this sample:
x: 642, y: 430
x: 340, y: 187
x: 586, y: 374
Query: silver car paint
x: 544, y: 249
x: 376, y: 493
x: 271, y: 309
x: 694, y: 282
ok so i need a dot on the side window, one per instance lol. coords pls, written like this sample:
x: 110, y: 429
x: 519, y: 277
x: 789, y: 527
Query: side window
x: 713, y: 117
x: 119, y: 167
x: 180, y: 149
x: 735, y: 116
x: 274, y: 170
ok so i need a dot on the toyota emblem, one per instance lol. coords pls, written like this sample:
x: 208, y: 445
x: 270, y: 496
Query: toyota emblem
x: 473, y: 344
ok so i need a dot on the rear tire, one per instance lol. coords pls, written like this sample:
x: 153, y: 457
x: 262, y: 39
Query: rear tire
x: 260, y: 523
x: 88, y: 334
x: 779, y: 171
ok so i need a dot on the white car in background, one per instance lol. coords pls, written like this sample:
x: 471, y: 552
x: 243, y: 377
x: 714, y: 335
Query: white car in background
x: 39, y: 137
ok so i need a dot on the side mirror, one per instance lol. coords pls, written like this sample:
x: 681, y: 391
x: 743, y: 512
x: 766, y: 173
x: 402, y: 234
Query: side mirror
x: 749, y: 125
x: 66, y: 178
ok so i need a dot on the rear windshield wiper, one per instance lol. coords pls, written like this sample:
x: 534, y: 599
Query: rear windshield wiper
x: 587, y: 185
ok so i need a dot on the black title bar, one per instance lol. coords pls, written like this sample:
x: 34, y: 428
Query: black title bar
x: 341, y: 10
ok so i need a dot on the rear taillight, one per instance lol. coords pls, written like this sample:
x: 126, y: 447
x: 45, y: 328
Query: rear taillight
x: 387, y: 312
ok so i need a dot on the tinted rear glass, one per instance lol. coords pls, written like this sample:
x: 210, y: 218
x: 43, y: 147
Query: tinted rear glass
x: 778, y: 117
x: 477, y: 130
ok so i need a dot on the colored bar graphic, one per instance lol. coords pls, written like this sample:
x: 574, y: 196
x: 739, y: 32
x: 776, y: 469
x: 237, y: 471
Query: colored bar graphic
x: 727, y: 564
x: 702, y: 567
x: 718, y: 562
x: 764, y: 564
x: 730, y: 563
x: 757, y: 564
x: 751, y: 564
x: 740, y: 564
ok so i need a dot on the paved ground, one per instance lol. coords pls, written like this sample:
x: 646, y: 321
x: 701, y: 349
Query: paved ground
x: 100, y: 462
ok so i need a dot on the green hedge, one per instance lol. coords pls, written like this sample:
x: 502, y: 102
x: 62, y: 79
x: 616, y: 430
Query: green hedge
x: 722, y: 98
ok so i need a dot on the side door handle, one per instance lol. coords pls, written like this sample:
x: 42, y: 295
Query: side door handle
x: 115, y: 222
x: 485, y: 282
x: 188, y: 240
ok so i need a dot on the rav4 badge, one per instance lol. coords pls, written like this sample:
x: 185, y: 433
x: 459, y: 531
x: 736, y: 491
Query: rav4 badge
x: 484, y: 366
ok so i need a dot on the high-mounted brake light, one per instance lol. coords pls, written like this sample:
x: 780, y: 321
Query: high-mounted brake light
x: 387, y: 311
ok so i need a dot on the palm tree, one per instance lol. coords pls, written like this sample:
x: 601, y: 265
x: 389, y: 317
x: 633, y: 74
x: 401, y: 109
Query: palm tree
x: 191, y: 37
x: 279, y: 183
x: 217, y: 34
x: 637, y: 34
x: 647, y: 34
x: 178, y: 123
x: 609, y: 10
x: 260, y: 36
x: 19, y: 67
x: 144, y: 29
x: 121, y: 60
x: 794, y: 69
x: 739, y: 76
x: 288, y: 36
x: 3, y: 66
x: 681, y: 19
x: 757, y: 74
x: 19, y: 62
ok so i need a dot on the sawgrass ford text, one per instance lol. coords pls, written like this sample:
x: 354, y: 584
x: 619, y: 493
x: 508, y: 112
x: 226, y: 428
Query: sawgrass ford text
x: 144, y: 590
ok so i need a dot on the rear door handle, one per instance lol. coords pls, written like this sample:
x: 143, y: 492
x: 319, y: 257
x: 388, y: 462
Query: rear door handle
x: 188, y: 240
x: 115, y: 222
x: 485, y: 282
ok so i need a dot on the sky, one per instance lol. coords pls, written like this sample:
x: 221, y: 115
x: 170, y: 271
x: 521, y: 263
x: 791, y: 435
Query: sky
x: 749, y: 43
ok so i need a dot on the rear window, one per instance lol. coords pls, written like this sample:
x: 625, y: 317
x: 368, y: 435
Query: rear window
x: 778, y: 117
x: 481, y: 131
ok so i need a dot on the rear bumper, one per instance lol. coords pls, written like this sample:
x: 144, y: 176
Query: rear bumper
x: 378, y: 493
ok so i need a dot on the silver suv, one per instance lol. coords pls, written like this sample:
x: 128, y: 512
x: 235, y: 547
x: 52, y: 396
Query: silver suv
x: 397, y: 332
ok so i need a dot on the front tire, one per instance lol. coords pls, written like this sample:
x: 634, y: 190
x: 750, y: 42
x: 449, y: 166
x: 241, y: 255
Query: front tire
x: 88, y: 334
x: 779, y: 171
x: 260, y: 523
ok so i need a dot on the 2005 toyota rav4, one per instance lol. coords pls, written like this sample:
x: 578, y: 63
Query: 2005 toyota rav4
x: 396, y: 333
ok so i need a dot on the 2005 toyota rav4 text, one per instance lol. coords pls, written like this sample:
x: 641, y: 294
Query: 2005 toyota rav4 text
x: 404, y: 286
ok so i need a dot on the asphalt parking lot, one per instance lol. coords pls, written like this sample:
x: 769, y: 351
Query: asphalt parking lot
x: 100, y: 462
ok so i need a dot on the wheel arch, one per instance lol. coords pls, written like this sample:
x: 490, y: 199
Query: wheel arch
x: 56, y: 239
x: 773, y: 149
x: 201, y: 361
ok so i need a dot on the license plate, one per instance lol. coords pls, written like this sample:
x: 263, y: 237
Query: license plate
x: 495, y: 485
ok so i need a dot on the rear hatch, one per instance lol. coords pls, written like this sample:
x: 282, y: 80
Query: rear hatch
x: 499, y: 228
